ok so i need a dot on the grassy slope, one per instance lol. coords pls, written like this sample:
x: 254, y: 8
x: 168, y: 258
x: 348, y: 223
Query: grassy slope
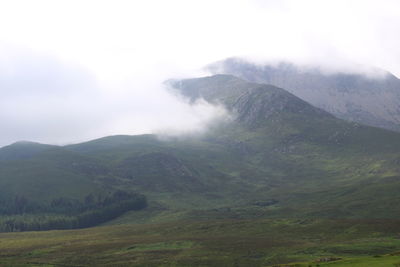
x: 339, y: 171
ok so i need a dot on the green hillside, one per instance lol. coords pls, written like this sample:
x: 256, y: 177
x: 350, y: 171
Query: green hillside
x: 277, y: 156
x: 278, y: 151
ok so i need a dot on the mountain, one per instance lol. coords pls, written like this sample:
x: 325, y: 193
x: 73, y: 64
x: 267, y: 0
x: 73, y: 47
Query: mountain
x: 365, y: 99
x: 278, y: 181
x: 250, y: 103
x: 275, y: 156
x: 300, y: 155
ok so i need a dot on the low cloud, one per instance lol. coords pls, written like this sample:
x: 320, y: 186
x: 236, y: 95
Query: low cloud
x: 46, y: 100
x: 308, y: 66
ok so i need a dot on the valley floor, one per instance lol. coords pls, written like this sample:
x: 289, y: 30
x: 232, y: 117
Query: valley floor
x: 256, y: 242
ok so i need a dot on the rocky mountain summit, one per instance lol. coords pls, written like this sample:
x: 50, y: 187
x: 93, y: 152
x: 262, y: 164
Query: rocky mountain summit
x: 368, y: 100
x: 250, y: 103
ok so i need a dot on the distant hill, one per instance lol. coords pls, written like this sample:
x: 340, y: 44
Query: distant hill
x: 354, y: 97
x: 22, y: 150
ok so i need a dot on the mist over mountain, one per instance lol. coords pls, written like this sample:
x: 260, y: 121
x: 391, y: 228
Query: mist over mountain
x: 276, y: 160
x: 367, y: 99
x: 275, y: 146
x: 143, y: 148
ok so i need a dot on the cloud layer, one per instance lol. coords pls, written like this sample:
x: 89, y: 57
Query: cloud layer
x: 75, y: 70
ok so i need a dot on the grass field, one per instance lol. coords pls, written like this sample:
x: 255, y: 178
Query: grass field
x: 261, y: 242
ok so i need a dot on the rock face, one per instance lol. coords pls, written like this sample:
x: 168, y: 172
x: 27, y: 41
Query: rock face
x: 354, y: 97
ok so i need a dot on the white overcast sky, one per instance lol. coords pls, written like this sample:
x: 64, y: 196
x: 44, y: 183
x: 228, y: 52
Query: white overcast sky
x: 75, y: 70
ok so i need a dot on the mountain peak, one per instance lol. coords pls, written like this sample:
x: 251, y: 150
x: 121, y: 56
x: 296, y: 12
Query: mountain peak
x: 362, y: 98
x: 251, y: 103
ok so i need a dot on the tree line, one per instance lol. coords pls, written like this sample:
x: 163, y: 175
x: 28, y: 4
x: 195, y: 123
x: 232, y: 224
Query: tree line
x: 20, y: 214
